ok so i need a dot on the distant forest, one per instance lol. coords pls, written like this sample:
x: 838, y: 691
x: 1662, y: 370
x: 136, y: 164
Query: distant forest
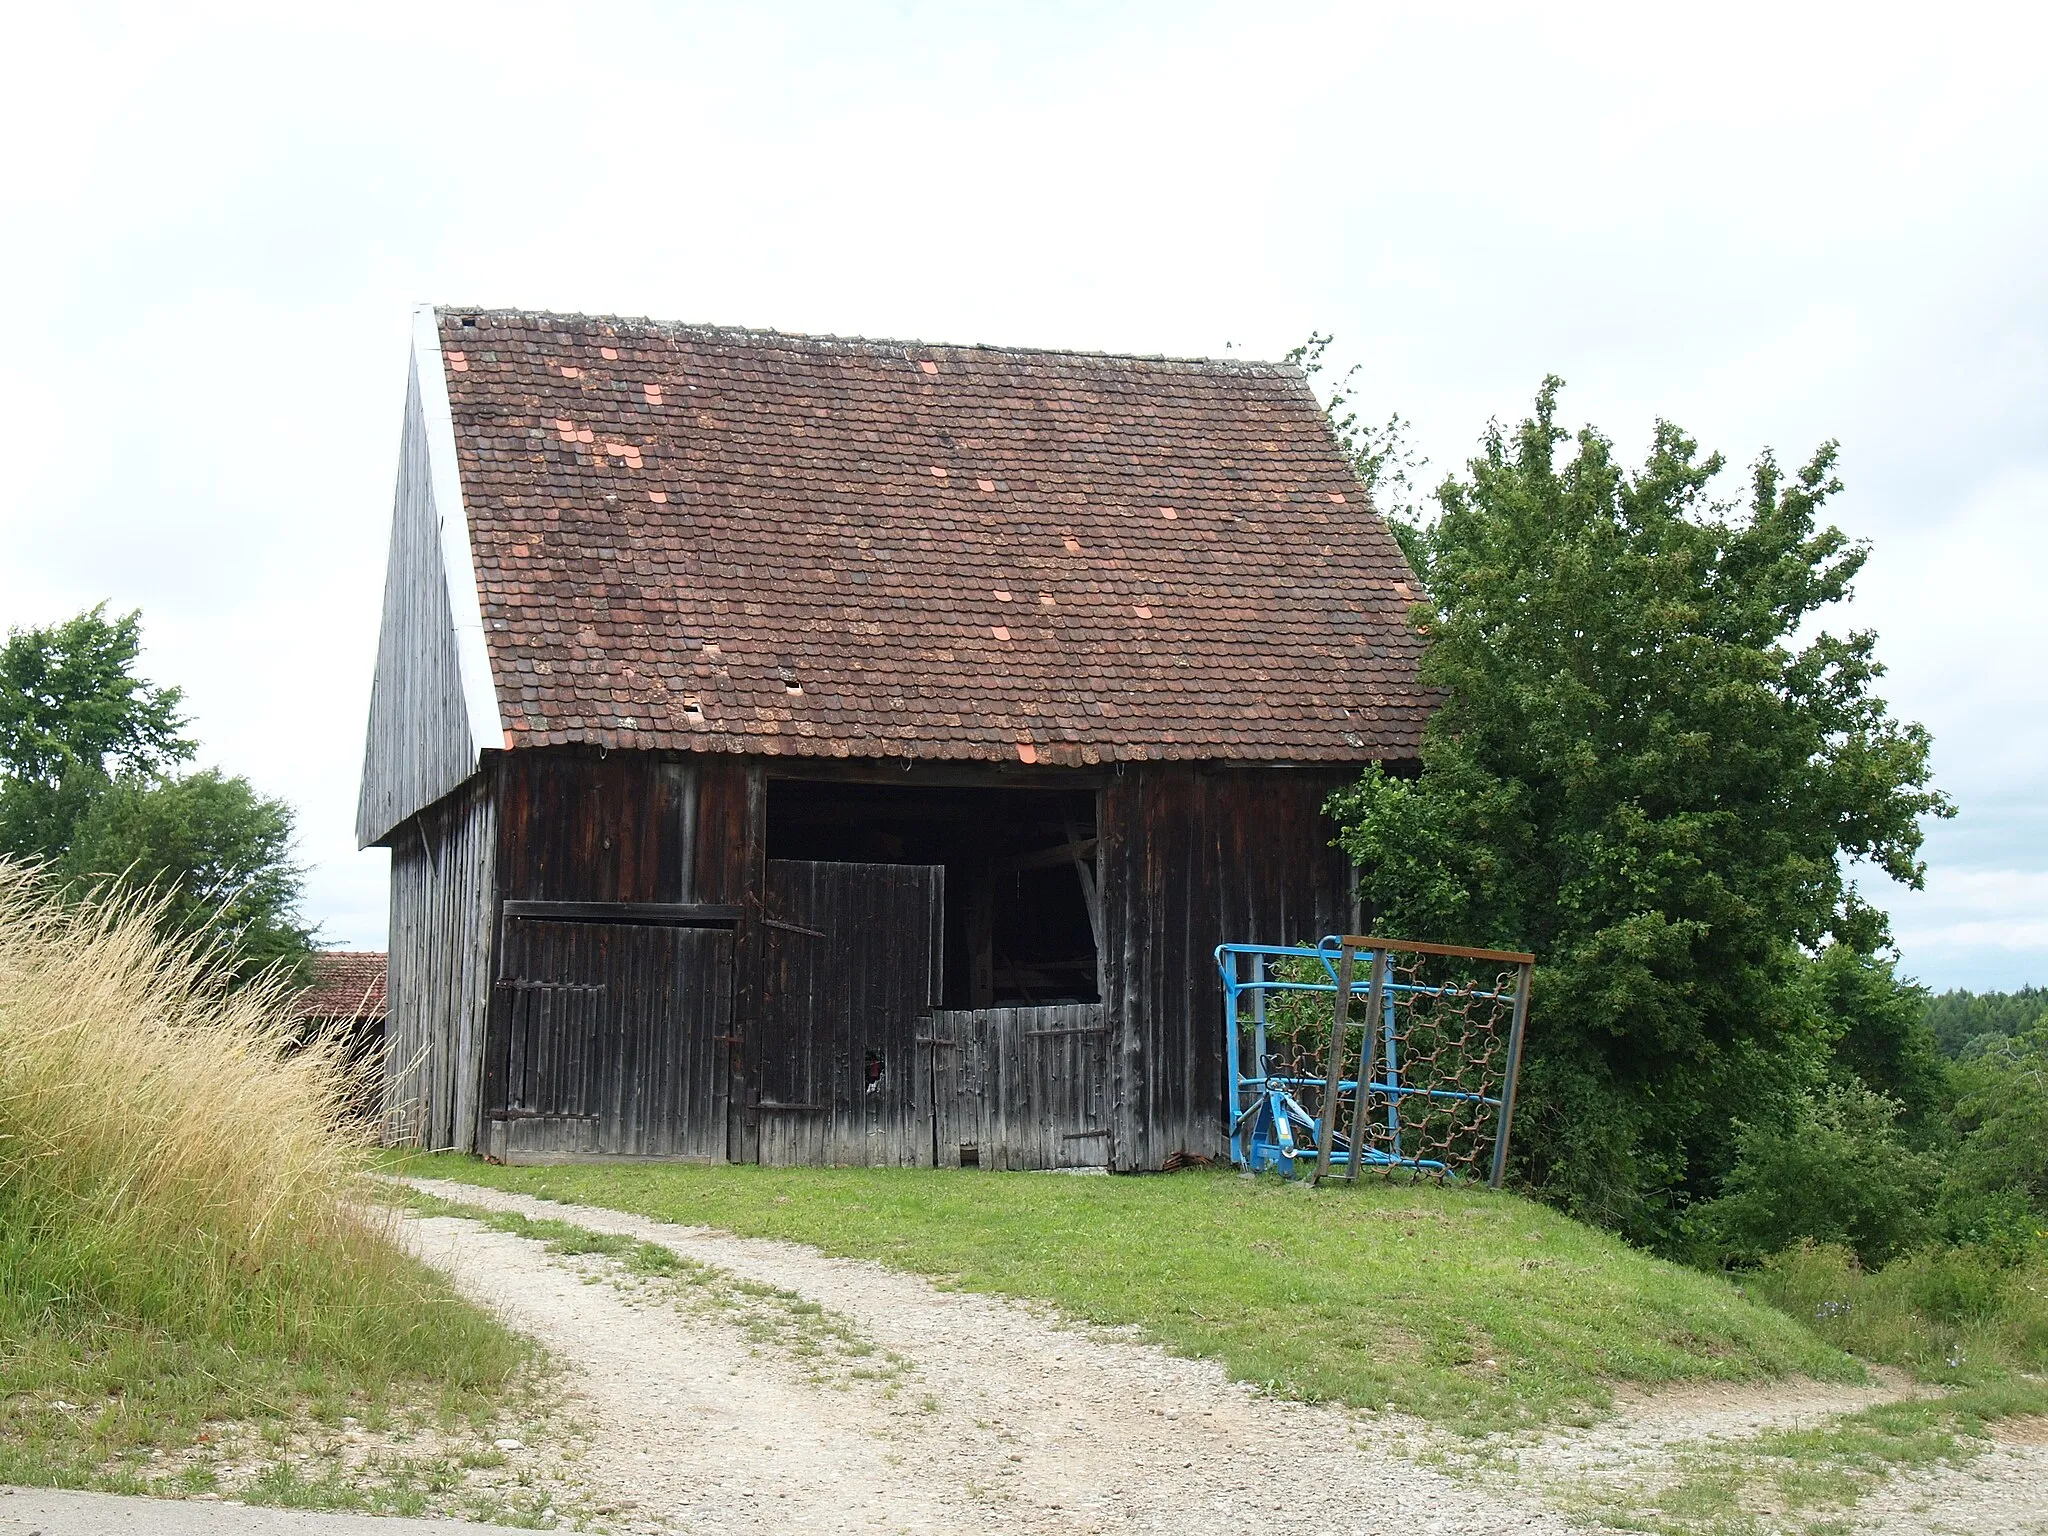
x: 1960, y: 1018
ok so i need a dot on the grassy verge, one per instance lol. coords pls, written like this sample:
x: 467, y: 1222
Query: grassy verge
x: 1475, y: 1310
x: 183, y: 1264
x: 1958, y: 1317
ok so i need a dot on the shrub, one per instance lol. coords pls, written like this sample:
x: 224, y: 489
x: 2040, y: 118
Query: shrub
x: 1954, y: 1314
x: 1835, y: 1172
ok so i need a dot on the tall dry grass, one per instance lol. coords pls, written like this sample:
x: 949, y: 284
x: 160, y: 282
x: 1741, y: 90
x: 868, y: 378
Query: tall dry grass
x: 172, y: 1158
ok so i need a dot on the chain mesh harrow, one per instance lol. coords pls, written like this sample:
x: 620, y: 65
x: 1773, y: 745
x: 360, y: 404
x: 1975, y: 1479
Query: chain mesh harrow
x: 1434, y: 1032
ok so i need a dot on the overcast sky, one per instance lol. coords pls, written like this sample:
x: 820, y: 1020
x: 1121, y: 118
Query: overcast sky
x: 1772, y: 225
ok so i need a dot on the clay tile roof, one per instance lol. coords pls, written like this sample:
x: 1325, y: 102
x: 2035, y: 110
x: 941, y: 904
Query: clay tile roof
x: 723, y: 540
x: 347, y: 984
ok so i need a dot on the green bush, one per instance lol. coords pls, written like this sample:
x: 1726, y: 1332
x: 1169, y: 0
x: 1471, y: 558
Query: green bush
x: 2000, y: 1221
x: 1835, y: 1172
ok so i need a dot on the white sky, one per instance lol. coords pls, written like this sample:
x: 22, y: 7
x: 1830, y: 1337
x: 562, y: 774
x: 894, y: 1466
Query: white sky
x: 1772, y: 224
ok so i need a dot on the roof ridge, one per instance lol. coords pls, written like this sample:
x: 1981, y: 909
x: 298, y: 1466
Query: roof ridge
x: 1257, y: 366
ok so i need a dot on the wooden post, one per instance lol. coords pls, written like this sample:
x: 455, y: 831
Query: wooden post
x: 1087, y: 878
x: 1375, y: 1006
x: 1326, y: 1122
x: 1507, y: 1093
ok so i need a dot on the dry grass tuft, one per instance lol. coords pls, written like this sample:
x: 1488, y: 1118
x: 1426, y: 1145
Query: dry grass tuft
x: 140, y: 1096
x: 177, y: 1204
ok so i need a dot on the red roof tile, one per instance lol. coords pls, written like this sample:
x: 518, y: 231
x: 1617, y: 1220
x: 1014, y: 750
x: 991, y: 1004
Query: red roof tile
x: 347, y: 984
x: 740, y: 541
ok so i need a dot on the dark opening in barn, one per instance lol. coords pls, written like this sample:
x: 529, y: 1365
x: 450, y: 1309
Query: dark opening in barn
x: 1022, y: 915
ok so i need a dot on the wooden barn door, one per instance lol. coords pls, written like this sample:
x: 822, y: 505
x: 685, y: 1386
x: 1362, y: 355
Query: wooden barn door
x: 614, y: 1040
x: 853, y: 956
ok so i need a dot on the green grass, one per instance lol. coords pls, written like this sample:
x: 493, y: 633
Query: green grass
x: 1475, y: 1310
x: 86, y: 1397
x: 1803, y: 1479
x: 1957, y: 1317
x: 831, y: 1348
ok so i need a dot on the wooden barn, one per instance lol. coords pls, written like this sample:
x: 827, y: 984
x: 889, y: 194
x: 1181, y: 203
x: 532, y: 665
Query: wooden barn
x: 805, y: 750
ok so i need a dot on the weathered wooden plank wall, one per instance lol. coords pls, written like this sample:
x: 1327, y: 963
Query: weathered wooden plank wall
x: 1190, y: 857
x: 615, y: 1044
x: 732, y: 867
x: 732, y: 831
x: 584, y: 826
x: 647, y: 1061
x: 419, y: 747
x: 854, y: 954
x: 1024, y: 1087
x: 443, y: 892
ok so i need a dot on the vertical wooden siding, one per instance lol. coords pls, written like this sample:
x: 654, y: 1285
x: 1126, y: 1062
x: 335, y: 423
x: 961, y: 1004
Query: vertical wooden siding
x: 1025, y: 1087
x: 443, y: 868
x: 853, y: 954
x: 614, y: 1040
x: 1189, y: 858
x: 583, y: 827
x: 419, y: 746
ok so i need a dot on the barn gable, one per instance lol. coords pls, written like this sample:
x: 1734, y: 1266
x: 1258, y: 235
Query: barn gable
x: 433, y: 704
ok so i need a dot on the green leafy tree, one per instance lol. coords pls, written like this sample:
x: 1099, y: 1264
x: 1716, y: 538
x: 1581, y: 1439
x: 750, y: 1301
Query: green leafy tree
x: 1959, y: 1018
x: 2001, y: 1113
x: 1881, y: 1039
x: 217, y: 853
x: 89, y: 786
x: 1381, y: 457
x: 1650, y: 768
x: 72, y: 714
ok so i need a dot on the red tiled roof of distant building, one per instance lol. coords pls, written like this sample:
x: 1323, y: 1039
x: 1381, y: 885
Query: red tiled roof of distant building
x: 691, y: 538
x: 346, y: 984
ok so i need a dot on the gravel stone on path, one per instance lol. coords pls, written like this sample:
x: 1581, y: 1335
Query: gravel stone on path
x: 1000, y: 1416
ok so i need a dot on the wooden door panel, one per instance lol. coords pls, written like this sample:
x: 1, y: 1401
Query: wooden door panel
x: 852, y: 962
x: 614, y: 1040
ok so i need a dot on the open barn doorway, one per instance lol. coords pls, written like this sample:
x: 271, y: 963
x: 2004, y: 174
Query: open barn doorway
x: 1022, y: 918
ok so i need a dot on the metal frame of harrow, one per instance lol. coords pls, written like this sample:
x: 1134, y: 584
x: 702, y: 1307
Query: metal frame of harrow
x: 1269, y: 1126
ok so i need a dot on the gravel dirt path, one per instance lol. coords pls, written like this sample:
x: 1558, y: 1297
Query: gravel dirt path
x: 792, y: 1391
x: 63, y: 1512
x: 991, y: 1416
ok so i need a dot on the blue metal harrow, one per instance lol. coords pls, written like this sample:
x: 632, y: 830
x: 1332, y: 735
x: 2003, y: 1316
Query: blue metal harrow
x: 1436, y: 1029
